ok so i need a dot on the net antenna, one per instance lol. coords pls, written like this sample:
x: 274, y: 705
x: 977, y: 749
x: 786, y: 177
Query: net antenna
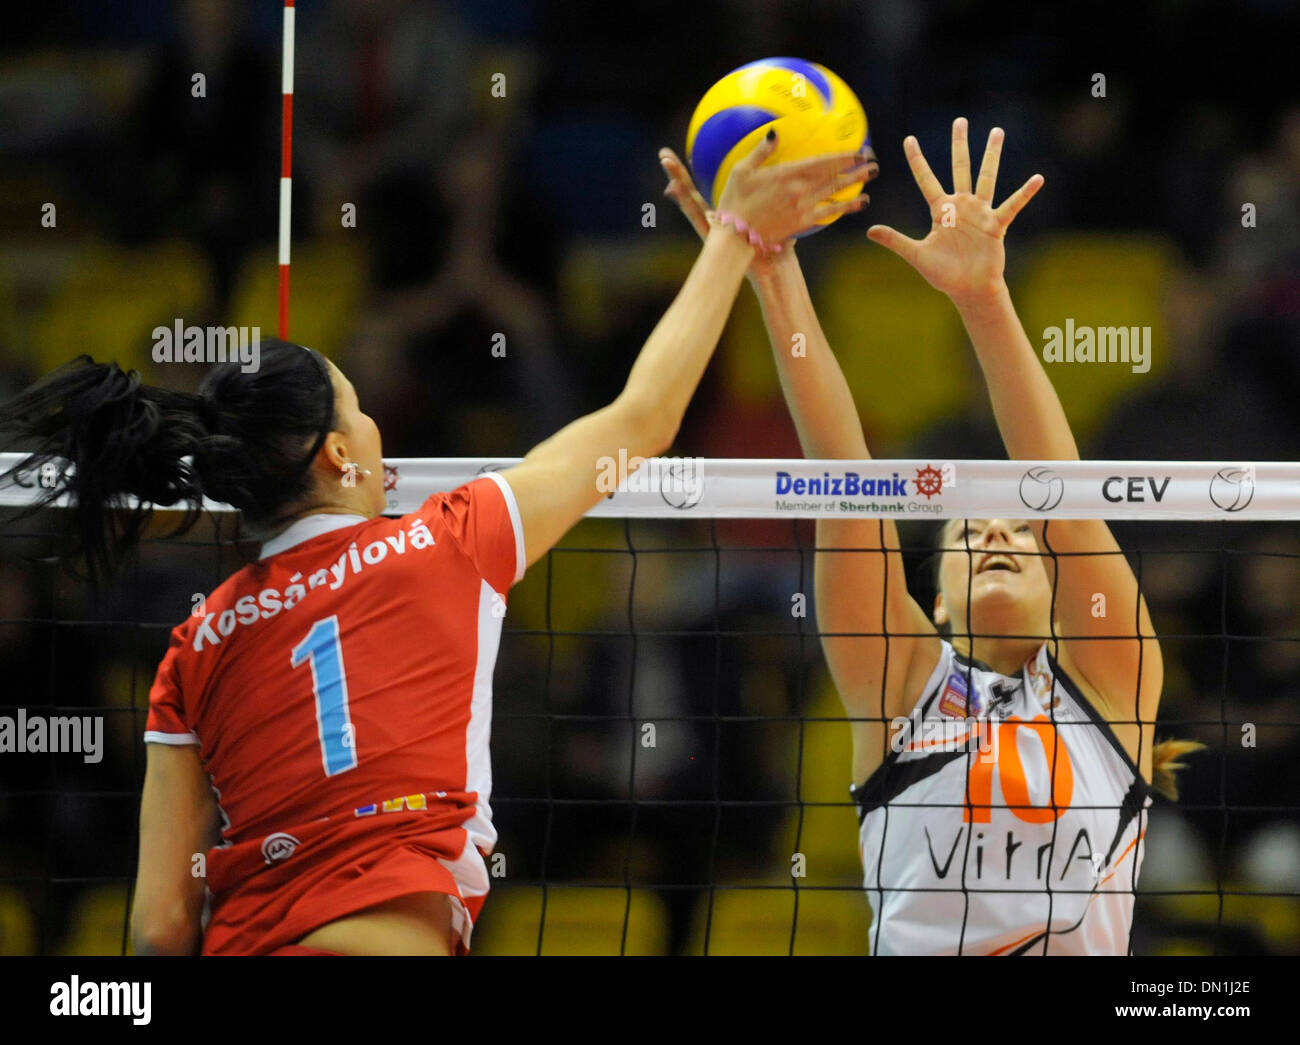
x: 286, y: 164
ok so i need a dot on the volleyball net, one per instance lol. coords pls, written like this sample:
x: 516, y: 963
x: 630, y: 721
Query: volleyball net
x: 671, y: 761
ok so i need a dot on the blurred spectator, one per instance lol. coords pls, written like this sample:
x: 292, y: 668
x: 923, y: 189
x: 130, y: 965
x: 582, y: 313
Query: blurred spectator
x: 383, y: 92
x: 200, y: 166
x: 477, y: 333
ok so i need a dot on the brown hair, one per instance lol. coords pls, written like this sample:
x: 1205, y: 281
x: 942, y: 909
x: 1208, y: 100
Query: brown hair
x: 1165, y: 764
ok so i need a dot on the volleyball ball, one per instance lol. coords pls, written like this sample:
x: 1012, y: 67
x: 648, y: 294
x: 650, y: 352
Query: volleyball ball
x: 813, y: 112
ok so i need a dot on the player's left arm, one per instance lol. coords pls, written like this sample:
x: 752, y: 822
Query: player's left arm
x: 178, y: 818
x: 964, y: 256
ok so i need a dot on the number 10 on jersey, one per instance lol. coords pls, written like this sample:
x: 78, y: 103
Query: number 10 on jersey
x: 329, y: 684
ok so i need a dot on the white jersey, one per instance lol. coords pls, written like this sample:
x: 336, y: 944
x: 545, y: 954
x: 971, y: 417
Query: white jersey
x: 967, y: 846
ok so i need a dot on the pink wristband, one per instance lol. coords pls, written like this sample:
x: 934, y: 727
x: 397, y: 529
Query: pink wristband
x: 747, y: 231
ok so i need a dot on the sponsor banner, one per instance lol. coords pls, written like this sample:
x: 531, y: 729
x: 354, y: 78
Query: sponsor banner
x: 667, y: 488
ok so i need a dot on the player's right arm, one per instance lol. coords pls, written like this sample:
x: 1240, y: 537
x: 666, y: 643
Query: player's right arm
x: 880, y: 645
x: 556, y: 484
x: 861, y: 589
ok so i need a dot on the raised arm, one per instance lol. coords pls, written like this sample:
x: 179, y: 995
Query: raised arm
x: 880, y: 645
x: 861, y: 587
x: 556, y: 484
x: 963, y: 256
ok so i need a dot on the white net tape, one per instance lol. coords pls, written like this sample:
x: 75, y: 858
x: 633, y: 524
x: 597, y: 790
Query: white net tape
x: 671, y: 487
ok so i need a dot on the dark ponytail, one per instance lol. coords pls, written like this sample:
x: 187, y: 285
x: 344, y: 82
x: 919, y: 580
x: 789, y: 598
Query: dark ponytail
x: 264, y: 430
x: 246, y: 439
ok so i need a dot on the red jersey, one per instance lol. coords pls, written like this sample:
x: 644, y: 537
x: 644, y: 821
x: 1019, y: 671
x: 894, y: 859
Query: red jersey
x: 340, y: 693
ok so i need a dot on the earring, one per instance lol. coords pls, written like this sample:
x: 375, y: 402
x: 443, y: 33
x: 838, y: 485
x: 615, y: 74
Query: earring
x: 354, y: 467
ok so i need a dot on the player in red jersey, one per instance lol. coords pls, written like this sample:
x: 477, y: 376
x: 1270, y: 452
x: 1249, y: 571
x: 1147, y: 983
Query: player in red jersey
x: 318, y: 735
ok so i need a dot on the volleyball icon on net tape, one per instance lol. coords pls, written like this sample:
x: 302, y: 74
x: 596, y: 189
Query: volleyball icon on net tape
x: 813, y: 112
x: 1232, y: 489
x: 681, y: 484
x: 1041, y: 489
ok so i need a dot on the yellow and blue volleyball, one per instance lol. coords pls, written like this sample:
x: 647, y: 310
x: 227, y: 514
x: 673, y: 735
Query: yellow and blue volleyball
x: 812, y: 110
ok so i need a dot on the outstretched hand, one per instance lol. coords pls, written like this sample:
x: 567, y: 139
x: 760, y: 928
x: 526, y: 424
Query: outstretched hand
x: 795, y: 176
x: 963, y: 255
x: 682, y: 191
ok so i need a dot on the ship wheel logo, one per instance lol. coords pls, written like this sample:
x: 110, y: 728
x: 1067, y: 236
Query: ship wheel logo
x: 929, y: 481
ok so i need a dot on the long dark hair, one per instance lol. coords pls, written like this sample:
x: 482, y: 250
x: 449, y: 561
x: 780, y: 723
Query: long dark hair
x: 245, y: 439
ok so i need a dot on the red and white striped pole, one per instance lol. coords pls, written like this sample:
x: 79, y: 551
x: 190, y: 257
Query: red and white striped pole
x: 286, y: 164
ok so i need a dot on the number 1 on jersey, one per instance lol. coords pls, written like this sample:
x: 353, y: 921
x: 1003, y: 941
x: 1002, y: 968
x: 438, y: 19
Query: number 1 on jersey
x: 329, y: 684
